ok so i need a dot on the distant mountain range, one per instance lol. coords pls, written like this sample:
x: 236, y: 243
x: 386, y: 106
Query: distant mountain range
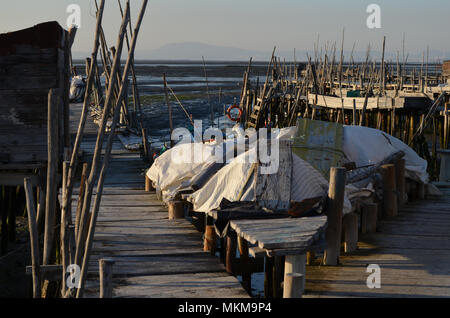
x: 195, y: 51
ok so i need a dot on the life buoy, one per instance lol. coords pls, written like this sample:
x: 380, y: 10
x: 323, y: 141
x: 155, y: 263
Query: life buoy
x: 229, y: 113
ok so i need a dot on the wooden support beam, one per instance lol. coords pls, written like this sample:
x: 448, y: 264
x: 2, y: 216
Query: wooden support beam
x: 47, y: 272
x: 400, y: 181
x: 106, y: 275
x: 350, y: 232
x: 334, y: 212
x: 244, y: 260
x: 176, y: 210
x: 444, y: 175
x: 390, y: 208
x: 148, y: 184
x: 210, y: 240
x: 12, y: 179
x: 268, y: 277
x: 231, y: 252
x: 294, y: 276
x: 369, y: 217
x: 278, y: 276
x: 293, y: 284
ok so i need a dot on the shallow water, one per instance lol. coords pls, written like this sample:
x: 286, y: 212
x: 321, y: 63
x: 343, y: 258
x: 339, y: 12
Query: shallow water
x: 187, y: 79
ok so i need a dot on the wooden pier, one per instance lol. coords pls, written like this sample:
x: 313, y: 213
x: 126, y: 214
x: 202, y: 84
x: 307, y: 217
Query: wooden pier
x: 154, y: 257
x: 412, y: 251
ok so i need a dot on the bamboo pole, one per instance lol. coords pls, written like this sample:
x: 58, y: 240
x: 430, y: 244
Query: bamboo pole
x: 89, y: 84
x: 136, y: 95
x: 107, y: 154
x: 64, y: 235
x: 81, y: 198
x: 99, y: 144
x: 166, y: 93
x: 34, y: 238
x: 52, y: 170
x: 207, y: 92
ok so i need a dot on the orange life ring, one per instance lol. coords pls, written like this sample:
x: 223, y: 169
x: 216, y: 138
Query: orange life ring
x: 229, y: 113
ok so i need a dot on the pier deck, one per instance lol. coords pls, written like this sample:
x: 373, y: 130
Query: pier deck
x: 413, y: 252
x: 154, y: 257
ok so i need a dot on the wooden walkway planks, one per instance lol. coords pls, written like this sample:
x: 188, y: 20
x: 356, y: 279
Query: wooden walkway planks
x: 413, y: 252
x: 154, y: 257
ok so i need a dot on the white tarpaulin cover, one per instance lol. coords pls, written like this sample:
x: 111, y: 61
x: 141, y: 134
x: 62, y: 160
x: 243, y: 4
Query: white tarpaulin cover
x: 367, y: 146
x: 364, y: 146
x: 307, y: 183
x: 171, y: 175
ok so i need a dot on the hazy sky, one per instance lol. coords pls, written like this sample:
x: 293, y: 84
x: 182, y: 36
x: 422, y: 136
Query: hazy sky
x: 252, y: 24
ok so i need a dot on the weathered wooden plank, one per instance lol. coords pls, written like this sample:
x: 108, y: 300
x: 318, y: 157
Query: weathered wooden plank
x: 201, y: 285
x: 161, y: 265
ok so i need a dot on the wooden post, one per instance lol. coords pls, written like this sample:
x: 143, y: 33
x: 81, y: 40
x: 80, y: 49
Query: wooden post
x: 334, y: 212
x: 148, y: 184
x: 176, y: 210
x: 294, y: 276
x: 350, y: 232
x: 231, y: 252
x: 268, y: 277
x: 389, y: 191
x: 52, y: 171
x: 369, y: 218
x: 209, y: 244
x: 166, y: 93
x: 106, y: 275
x: 354, y: 112
x: 244, y: 258
x: 34, y: 238
x: 293, y: 285
x: 444, y: 173
x: 400, y: 181
x: 310, y: 257
x: 278, y: 276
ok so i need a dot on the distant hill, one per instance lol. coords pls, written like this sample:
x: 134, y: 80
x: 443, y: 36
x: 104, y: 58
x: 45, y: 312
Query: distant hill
x: 195, y: 50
